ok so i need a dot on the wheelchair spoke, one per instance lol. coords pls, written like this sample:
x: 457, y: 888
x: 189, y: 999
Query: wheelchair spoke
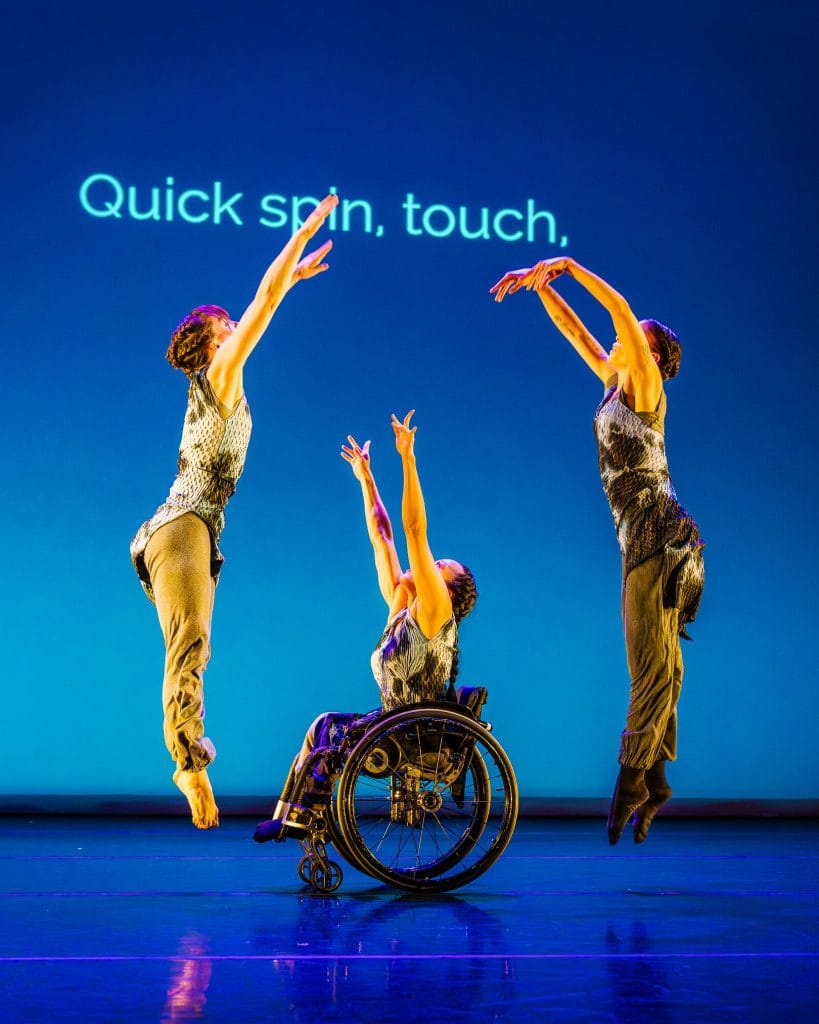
x: 384, y: 834
x: 418, y: 842
x: 438, y: 850
x: 407, y: 837
x: 441, y: 826
x: 440, y: 748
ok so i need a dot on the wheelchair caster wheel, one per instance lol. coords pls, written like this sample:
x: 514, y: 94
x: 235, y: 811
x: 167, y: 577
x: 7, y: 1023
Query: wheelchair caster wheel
x: 325, y: 877
x: 304, y: 870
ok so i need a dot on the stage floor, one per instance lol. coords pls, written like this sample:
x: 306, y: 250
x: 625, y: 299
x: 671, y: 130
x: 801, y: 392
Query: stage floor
x: 146, y: 919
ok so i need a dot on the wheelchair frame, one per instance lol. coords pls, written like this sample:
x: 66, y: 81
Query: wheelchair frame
x: 425, y: 799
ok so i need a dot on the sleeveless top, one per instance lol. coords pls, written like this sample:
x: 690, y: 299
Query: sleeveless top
x: 648, y: 518
x: 407, y: 666
x: 211, y: 459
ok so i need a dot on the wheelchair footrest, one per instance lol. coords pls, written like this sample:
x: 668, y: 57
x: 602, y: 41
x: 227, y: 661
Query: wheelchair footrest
x: 294, y: 815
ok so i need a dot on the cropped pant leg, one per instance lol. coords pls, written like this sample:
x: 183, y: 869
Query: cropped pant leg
x: 178, y: 560
x: 327, y: 731
x: 655, y: 668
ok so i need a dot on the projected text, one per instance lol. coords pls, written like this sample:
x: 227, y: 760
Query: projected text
x: 104, y: 196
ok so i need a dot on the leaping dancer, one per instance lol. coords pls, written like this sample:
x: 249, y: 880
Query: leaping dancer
x: 176, y: 552
x: 659, y: 541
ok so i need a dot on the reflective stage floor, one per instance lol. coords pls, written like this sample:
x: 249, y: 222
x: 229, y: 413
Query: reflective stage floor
x: 146, y: 919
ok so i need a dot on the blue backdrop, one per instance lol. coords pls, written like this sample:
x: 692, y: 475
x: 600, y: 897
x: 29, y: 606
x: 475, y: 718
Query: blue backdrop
x: 152, y: 158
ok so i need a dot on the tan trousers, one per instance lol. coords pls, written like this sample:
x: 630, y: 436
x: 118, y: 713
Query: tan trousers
x: 178, y: 561
x: 655, y: 667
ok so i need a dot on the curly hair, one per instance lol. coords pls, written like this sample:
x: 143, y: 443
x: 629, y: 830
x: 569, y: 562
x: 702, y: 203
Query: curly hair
x: 667, y: 345
x: 464, y: 593
x: 188, y: 350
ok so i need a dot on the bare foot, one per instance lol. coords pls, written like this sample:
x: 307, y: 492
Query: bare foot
x: 197, y: 790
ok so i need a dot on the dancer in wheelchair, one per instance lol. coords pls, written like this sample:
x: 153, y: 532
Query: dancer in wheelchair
x: 416, y: 658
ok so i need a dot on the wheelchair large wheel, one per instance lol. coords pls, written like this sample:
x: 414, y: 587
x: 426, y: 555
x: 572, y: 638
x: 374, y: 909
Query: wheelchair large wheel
x: 335, y: 836
x: 427, y: 800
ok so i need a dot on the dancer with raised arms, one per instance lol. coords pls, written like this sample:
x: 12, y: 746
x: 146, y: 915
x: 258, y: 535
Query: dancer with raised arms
x: 659, y: 541
x: 416, y: 658
x: 176, y: 552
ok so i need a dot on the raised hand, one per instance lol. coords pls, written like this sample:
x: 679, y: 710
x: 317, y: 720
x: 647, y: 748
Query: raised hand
x: 545, y: 271
x: 311, y: 264
x: 317, y: 217
x: 536, y: 277
x: 358, y: 457
x: 509, y: 283
x: 404, y: 434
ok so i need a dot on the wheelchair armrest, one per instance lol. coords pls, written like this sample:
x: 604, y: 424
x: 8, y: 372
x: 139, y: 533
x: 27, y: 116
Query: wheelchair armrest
x: 472, y: 697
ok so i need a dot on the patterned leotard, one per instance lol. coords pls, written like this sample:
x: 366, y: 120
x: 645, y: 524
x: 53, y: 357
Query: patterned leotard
x: 407, y: 666
x: 648, y: 518
x: 211, y: 459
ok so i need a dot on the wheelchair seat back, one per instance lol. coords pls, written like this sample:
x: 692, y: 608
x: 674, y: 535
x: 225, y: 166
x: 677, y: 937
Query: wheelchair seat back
x: 472, y: 698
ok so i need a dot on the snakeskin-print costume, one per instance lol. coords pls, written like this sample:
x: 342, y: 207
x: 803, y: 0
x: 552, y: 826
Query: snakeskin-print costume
x: 648, y: 518
x: 407, y: 666
x: 211, y: 459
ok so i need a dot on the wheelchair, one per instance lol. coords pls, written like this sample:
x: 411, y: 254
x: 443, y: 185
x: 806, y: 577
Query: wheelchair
x: 425, y: 799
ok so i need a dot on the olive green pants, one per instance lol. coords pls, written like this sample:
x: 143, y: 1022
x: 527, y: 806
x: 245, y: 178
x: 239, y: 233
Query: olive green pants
x: 655, y: 667
x: 178, y: 561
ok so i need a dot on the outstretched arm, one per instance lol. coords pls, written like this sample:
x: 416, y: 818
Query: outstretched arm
x: 574, y: 330
x: 225, y: 370
x: 378, y: 522
x: 645, y: 377
x: 562, y: 315
x: 643, y: 370
x: 629, y: 332
x: 433, y: 604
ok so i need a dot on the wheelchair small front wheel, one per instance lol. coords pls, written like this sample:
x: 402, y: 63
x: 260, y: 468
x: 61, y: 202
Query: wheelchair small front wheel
x: 325, y: 877
x: 303, y: 869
